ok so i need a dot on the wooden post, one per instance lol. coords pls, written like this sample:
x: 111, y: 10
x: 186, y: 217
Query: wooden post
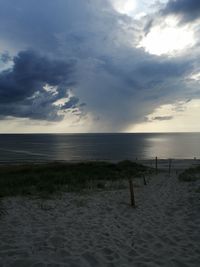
x: 144, y: 179
x: 132, y: 197
x: 156, y: 165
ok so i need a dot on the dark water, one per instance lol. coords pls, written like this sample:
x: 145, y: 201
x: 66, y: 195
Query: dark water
x: 45, y: 147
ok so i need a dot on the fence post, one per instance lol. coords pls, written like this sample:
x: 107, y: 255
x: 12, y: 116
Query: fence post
x: 144, y: 179
x: 132, y: 196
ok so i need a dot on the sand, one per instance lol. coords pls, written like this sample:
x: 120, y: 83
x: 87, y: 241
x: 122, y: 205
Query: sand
x: 101, y: 229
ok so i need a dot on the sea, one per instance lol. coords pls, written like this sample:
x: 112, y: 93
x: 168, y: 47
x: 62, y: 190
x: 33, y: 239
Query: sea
x: 22, y: 148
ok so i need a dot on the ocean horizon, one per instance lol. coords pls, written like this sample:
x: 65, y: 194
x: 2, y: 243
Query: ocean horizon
x: 97, y: 146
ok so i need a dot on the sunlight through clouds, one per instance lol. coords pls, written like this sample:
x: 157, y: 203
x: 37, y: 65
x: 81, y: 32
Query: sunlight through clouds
x: 195, y: 76
x: 168, y: 38
x: 125, y: 6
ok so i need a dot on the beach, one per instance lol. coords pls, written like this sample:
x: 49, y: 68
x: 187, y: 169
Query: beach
x: 100, y: 228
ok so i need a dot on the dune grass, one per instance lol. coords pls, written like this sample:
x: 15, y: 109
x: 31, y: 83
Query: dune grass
x: 50, y: 178
x: 191, y: 174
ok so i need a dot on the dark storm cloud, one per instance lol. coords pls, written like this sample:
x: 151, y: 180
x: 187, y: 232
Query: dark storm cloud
x: 30, y: 72
x: 90, y: 48
x: 22, y: 92
x: 189, y: 10
x: 163, y: 69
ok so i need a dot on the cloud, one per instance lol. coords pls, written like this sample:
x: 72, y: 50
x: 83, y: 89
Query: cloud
x: 72, y: 103
x: 32, y: 71
x: 5, y: 57
x: 175, y: 15
x: 188, y: 10
x: 23, y: 92
x: 162, y: 118
x: 88, y: 47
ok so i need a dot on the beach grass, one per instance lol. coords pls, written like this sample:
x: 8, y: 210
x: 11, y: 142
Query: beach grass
x: 50, y: 178
x: 190, y: 174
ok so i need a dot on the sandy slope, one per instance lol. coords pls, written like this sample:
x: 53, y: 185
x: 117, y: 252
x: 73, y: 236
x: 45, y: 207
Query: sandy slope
x: 103, y: 230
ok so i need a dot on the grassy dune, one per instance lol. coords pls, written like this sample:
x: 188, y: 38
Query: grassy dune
x: 191, y: 174
x: 45, y: 179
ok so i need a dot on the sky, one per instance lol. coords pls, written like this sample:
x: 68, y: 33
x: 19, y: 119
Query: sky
x: 70, y: 66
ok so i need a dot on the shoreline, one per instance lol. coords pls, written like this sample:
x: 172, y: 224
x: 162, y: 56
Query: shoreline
x: 137, y: 160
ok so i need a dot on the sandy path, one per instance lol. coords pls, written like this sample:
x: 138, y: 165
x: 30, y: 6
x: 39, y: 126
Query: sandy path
x: 102, y: 230
x: 171, y: 223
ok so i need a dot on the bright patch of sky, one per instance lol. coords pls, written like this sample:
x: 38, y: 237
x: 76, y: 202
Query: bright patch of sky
x: 195, y: 76
x: 178, y: 117
x: 136, y: 8
x: 125, y: 6
x: 168, y: 38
